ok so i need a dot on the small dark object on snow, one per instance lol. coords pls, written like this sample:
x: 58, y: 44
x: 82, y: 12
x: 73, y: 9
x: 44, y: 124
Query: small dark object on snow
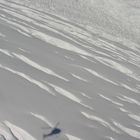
x: 54, y: 131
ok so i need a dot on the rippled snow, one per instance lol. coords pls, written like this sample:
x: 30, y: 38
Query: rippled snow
x: 55, y: 71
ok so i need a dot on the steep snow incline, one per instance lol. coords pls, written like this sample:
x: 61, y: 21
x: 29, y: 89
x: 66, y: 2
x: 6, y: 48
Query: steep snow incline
x: 118, y: 17
x: 53, y: 70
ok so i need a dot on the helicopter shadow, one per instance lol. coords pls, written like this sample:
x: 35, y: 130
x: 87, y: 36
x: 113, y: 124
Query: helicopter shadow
x: 55, y: 131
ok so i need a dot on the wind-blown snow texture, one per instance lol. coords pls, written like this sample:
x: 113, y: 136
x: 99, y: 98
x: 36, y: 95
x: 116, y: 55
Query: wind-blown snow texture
x: 54, y: 70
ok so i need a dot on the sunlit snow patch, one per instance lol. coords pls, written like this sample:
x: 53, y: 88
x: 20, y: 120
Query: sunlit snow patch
x: 129, y: 88
x: 65, y: 93
x: 58, y: 43
x: 71, y: 137
x: 2, y: 35
x: 135, y: 117
x: 114, y: 65
x: 28, y: 78
x: 78, y: 77
x: 118, y: 67
x: 130, y: 132
x: 6, y: 52
x: 85, y: 95
x: 10, y: 131
x: 99, y: 120
x: 100, y: 76
x: 37, y: 66
x: 42, y: 118
x: 18, y: 132
x: 109, y: 138
x: 110, y: 100
x: 129, y: 100
x: 69, y: 95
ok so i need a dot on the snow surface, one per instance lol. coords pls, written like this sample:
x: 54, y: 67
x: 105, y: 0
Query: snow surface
x: 73, y: 63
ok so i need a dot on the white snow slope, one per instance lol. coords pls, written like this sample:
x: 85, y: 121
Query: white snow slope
x: 55, y: 70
